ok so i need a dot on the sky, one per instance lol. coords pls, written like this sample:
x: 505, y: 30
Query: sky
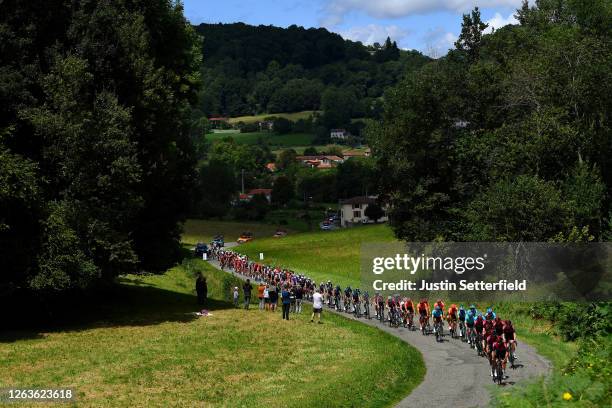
x: 430, y: 26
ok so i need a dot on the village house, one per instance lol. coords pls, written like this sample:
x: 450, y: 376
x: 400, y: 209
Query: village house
x: 320, y: 161
x: 339, y: 134
x: 352, y: 211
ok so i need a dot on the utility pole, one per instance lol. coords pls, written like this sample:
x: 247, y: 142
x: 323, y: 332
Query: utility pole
x: 242, y: 181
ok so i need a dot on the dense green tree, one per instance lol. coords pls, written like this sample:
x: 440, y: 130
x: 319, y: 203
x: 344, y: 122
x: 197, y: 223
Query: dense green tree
x: 286, y: 158
x: 507, y: 137
x: 97, y: 156
x: 282, y: 191
x: 374, y: 212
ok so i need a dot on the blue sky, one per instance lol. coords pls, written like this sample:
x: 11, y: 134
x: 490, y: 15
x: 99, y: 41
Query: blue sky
x: 430, y: 26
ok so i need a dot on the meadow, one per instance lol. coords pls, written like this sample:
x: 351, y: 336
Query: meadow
x: 145, y: 347
x: 321, y: 255
x: 256, y: 118
x: 204, y: 230
x: 270, y: 138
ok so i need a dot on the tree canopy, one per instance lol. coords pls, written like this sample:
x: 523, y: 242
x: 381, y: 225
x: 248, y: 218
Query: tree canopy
x: 96, y: 160
x: 508, y: 136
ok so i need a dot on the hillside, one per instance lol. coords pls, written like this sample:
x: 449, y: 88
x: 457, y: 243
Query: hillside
x: 266, y: 69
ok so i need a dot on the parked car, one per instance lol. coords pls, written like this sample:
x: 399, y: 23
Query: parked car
x: 245, y: 237
x: 279, y: 234
x: 200, y: 249
x: 326, y: 226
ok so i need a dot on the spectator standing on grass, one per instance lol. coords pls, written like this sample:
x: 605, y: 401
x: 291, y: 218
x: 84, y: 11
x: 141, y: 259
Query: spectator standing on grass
x: 267, y: 297
x: 260, y: 295
x: 286, y: 299
x: 201, y: 288
x: 299, y: 295
x: 273, y: 297
x: 236, y: 296
x: 246, y: 288
x: 317, y: 306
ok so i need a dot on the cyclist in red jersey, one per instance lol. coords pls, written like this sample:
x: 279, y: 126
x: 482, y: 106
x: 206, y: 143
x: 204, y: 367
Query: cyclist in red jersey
x: 500, y: 351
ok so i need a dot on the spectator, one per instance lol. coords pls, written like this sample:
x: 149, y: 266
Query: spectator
x: 273, y: 297
x: 201, y: 288
x: 267, y: 297
x: 286, y: 299
x: 246, y: 288
x: 236, y: 295
x: 317, y: 306
x: 299, y: 295
x: 260, y: 295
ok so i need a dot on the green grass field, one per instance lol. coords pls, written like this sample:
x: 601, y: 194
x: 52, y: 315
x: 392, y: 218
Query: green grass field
x: 204, y: 230
x: 148, y: 349
x: 272, y: 139
x: 322, y: 255
x: 256, y: 118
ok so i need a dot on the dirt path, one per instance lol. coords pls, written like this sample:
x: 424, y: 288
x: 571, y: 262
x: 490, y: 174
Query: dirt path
x: 456, y: 377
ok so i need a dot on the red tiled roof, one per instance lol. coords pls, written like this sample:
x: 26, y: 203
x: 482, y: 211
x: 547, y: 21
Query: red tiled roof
x: 265, y: 191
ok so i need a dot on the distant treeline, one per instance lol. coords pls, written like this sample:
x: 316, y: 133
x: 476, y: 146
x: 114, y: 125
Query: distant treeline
x: 268, y: 69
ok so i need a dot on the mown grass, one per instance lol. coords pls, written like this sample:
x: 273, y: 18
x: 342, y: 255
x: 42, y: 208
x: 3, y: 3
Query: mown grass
x: 256, y: 118
x: 321, y: 255
x: 149, y: 350
x: 270, y: 138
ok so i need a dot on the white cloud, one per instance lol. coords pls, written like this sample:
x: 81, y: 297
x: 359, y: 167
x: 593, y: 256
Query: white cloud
x: 498, y: 21
x: 438, y: 42
x: 333, y: 11
x: 374, y: 33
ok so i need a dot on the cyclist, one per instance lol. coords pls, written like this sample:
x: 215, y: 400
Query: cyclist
x: 440, y: 304
x: 452, y: 318
x: 500, y: 352
x: 337, y: 294
x: 498, y: 325
x: 409, y: 305
x: 437, y: 318
x: 391, y: 306
x: 462, y: 321
x: 330, y: 294
x: 366, y: 304
x: 423, y: 309
x: 479, y: 327
x: 490, y: 315
x: 491, y: 338
x: 356, y: 300
x: 470, y: 319
x: 347, y: 298
x: 380, y: 306
x: 510, y: 336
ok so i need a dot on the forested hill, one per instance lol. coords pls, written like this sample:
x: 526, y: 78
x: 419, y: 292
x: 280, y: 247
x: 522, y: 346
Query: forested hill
x: 249, y: 69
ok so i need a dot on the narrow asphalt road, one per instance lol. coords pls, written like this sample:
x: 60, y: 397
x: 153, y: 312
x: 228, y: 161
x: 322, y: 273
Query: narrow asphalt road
x: 456, y: 377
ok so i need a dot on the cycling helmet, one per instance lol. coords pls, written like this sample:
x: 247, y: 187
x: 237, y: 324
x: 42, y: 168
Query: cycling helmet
x: 489, y: 310
x: 437, y: 307
x: 472, y: 307
x: 461, y: 307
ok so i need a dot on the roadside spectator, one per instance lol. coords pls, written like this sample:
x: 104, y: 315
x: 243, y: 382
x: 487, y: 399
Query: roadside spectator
x: 260, y: 294
x: 236, y: 295
x: 317, y: 306
x: 201, y: 288
x: 286, y: 299
x: 246, y: 288
x: 267, y: 297
x: 299, y: 295
x: 273, y: 297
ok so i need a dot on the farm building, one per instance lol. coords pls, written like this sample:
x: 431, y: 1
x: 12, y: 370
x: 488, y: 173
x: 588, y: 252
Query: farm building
x: 352, y: 211
x: 339, y: 134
